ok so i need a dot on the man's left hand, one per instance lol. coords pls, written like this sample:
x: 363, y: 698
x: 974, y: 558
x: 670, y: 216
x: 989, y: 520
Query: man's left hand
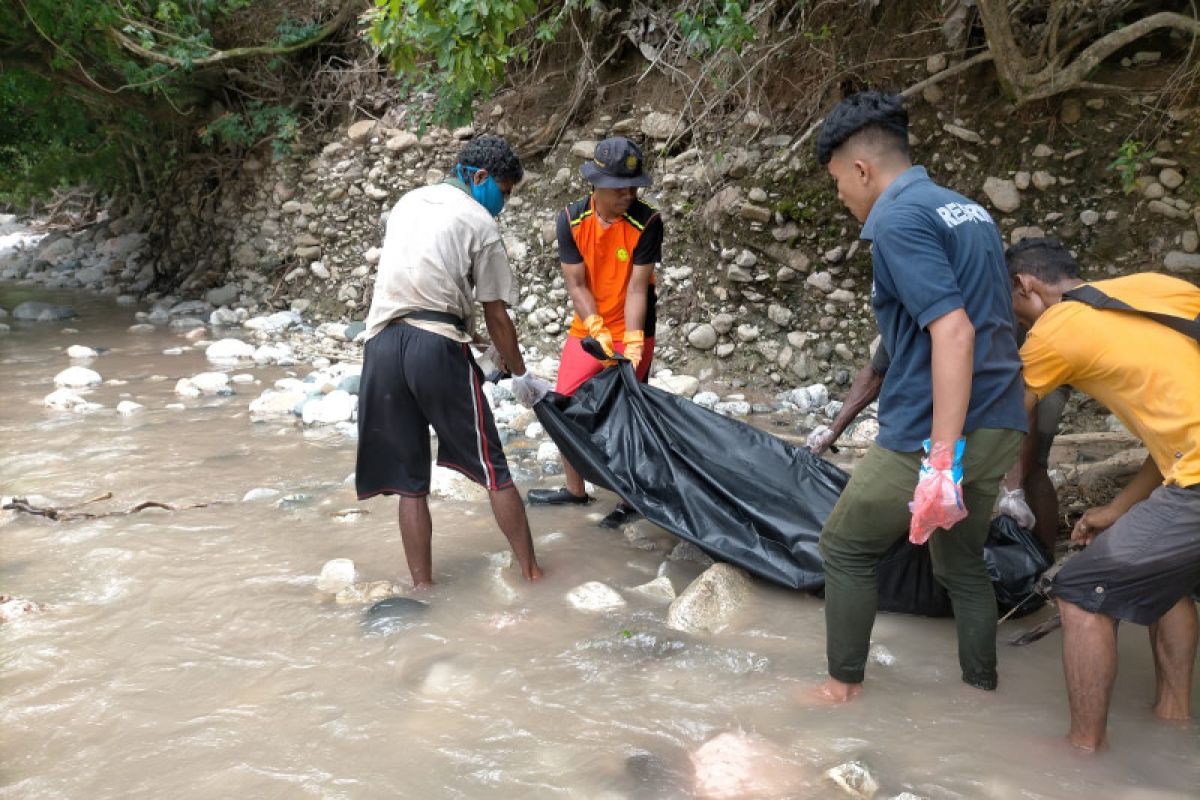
x: 937, y: 501
x: 635, y: 343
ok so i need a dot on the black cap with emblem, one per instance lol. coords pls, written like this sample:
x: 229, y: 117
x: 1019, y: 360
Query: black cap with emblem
x: 616, y: 164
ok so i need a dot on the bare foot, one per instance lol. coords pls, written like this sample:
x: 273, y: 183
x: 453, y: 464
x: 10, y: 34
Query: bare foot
x: 1172, y: 712
x: 1088, y: 745
x: 422, y: 586
x: 832, y: 692
x: 534, y: 573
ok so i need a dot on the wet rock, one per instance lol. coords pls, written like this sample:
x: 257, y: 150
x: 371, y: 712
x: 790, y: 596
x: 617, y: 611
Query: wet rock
x: 595, y: 596
x: 229, y: 351
x: 337, y: 406
x: 77, y: 377
x: 80, y: 351
x: 388, y: 615
x: 736, y: 765
x: 13, y: 608
x: 854, y: 779
x: 275, y: 403
x: 260, y: 493
x: 707, y: 400
x: 141, y: 327
x: 446, y: 484
x: 1003, y: 194
x: 547, y: 452
x: 127, y: 408
x: 660, y: 588
x: 336, y: 575
x: 33, y: 311
x: 703, y: 337
x: 64, y: 400
x: 711, y: 601
x: 211, y: 383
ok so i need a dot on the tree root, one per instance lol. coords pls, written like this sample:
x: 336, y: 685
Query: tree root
x: 68, y: 514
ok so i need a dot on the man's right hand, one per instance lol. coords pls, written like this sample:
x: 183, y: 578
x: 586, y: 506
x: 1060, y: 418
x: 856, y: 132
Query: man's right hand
x: 598, y: 331
x: 821, y: 439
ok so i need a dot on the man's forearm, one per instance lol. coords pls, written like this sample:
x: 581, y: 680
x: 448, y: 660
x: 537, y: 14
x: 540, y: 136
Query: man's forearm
x: 1015, y: 477
x: 953, y: 344
x: 863, y: 391
x: 1147, y: 479
x: 504, y: 336
x: 635, y: 311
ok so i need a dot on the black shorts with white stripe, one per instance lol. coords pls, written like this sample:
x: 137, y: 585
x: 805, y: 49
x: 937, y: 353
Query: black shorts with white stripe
x: 413, y: 379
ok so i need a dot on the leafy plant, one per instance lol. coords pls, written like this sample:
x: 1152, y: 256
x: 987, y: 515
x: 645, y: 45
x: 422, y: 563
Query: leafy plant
x: 711, y: 26
x: 464, y: 43
x: 1131, y: 155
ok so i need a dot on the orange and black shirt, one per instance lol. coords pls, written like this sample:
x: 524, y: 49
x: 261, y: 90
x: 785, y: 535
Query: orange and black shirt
x: 609, y: 255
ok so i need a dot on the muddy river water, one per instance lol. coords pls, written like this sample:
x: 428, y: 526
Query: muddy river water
x: 188, y: 654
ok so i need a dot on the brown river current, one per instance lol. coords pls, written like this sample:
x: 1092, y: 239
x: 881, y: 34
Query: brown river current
x: 188, y: 654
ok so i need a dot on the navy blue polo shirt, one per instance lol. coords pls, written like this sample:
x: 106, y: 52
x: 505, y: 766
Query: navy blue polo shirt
x: 934, y: 251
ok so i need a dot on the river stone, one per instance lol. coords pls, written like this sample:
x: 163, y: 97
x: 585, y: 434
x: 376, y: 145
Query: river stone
x: 595, y: 596
x: 660, y: 588
x: 747, y: 333
x: 336, y: 574
x: 1043, y: 180
x: 1003, y: 194
x: 1025, y: 232
x: 223, y: 295
x: 703, y: 337
x: 683, y: 385
x: 276, y: 403
x: 711, y: 601
x: 390, y: 615
x: 32, y: 310
x: 658, y: 125
x: 141, y: 327
x: 260, y: 493
x: 447, y: 484
x: 1170, y: 178
x: 127, y: 408
x: 63, y: 399
x: 707, y: 400
x: 723, y: 323
x: 368, y: 592
x: 854, y: 779
x: 584, y: 148
x: 77, y: 377
x: 80, y: 351
x: 1089, y: 217
x: 212, y: 382
x: 822, y: 281
x: 337, y: 406
x: 360, y: 132
x: 227, y: 351
x: 963, y: 133
x: 737, y: 764
x: 1180, y: 261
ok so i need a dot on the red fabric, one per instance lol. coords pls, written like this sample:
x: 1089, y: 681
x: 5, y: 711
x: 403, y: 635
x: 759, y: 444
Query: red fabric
x: 576, y: 366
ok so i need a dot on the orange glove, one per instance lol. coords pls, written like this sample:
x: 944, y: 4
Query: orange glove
x: 635, y: 342
x: 596, y: 329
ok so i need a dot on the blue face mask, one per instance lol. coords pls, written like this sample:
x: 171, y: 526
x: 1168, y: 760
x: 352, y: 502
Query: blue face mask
x: 487, y: 192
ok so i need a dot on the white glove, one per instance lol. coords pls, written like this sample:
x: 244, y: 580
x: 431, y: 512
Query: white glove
x: 529, y: 389
x: 820, y: 439
x: 1012, y: 504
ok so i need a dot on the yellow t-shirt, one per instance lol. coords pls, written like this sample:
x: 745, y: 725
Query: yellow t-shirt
x: 1145, y: 373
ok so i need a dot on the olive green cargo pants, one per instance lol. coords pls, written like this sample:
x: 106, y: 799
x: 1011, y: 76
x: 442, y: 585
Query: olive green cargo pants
x: 872, y: 514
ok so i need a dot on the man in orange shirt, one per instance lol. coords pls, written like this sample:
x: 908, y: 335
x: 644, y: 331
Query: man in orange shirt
x: 609, y: 243
x: 1143, y: 549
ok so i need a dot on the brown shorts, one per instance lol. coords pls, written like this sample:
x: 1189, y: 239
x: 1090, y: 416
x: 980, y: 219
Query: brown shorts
x: 1144, y: 564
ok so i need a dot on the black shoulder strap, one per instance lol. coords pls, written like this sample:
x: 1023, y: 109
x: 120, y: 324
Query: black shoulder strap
x: 1090, y: 295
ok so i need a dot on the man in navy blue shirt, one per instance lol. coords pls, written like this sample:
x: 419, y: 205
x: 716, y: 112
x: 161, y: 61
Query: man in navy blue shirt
x: 951, y: 414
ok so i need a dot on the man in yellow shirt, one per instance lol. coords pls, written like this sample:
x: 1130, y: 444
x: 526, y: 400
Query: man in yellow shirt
x: 1143, y: 549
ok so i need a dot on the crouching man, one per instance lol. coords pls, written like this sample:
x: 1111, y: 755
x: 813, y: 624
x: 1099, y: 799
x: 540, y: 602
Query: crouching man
x: 1143, y: 549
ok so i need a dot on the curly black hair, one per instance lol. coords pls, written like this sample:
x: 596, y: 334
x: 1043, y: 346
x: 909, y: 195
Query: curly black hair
x: 876, y: 112
x: 493, y: 154
x: 1043, y: 257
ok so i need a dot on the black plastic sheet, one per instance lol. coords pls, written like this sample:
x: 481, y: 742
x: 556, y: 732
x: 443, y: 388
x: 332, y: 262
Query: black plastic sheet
x: 738, y: 493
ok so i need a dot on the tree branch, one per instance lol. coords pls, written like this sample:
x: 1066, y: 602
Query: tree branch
x: 328, y: 29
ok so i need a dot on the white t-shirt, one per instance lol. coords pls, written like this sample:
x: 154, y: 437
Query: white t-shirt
x: 442, y: 252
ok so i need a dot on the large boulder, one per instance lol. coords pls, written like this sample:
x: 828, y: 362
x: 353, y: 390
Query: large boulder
x: 711, y: 601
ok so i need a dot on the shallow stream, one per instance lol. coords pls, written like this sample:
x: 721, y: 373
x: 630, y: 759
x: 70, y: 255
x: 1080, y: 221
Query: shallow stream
x: 187, y: 654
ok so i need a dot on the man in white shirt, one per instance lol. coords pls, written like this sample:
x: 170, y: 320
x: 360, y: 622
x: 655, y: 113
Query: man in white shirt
x: 442, y: 253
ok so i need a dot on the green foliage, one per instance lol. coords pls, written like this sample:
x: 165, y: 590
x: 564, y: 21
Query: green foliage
x: 710, y: 26
x: 1130, y: 157
x: 464, y: 43
x: 242, y: 130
